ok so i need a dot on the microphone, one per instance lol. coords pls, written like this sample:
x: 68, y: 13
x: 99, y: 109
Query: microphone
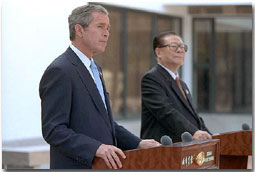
x: 166, y: 140
x: 245, y: 126
x: 186, y: 137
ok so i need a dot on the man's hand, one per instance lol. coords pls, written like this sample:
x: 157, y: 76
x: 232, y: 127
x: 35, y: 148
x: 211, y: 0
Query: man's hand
x: 199, y: 135
x: 109, y: 154
x: 148, y: 143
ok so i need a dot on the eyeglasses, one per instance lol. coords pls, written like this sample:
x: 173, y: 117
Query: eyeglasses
x: 175, y: 46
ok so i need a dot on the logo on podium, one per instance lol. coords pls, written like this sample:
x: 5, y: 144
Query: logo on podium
x: 200, y: 158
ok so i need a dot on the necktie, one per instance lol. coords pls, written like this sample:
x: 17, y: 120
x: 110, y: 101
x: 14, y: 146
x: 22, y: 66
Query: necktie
x: 97, y: 81
x: 180, y: 87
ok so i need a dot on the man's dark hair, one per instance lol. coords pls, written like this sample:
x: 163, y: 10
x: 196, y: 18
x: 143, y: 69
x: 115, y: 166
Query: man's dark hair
x: 158, y: 40
x: 83, y: 15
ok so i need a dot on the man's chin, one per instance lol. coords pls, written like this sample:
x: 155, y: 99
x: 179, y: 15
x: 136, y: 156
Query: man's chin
x: 98, y: 52
x: 179, y: 61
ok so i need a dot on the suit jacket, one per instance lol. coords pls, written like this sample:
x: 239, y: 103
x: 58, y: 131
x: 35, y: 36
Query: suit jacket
x: 165, y: 111
x: 74, y: 120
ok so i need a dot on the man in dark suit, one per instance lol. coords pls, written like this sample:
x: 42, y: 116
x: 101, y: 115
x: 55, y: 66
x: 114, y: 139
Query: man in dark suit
x: 167, y: 107
x: 77, y: 120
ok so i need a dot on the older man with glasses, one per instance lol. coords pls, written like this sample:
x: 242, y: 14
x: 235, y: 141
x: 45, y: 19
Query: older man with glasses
x: 167, y: 107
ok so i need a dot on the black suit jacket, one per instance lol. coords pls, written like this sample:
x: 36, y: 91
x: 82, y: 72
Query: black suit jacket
x: 165, y: 111
x: 74, y: 120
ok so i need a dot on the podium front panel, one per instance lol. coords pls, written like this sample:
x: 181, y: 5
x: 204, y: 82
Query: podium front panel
x: 202, y: 154
x: 235, y: 147
x: 238, y: 143
x: 194, y: 155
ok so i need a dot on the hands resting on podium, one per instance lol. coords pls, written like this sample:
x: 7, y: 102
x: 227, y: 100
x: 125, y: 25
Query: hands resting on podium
x: 148, y: 143
x: 199, y: 135
x: 110, y: 153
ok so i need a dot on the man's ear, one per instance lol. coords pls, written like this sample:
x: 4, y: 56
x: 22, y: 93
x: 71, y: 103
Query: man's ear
x: 78, y: 30
x: 157, y: 52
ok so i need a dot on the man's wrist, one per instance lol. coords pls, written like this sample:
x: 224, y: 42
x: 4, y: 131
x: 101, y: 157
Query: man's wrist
x: 139, y: 144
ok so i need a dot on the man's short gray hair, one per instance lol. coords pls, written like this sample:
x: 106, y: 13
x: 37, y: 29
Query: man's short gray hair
x: 83, y: 15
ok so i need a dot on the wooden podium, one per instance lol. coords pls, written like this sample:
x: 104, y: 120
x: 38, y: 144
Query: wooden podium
x: 203, y: 154
x: 235, y: 147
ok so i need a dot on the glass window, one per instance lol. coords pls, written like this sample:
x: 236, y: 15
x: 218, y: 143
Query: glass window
x: 233, y: 65
x: 139, y: 57
x: 202, y: 34
x: 202, y: 74
x: 223, y: 64
x: 169, y: 24
x: 203, y: 47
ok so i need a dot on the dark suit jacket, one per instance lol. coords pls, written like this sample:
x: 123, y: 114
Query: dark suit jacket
x: 74, y: 120
x: 165, y: 111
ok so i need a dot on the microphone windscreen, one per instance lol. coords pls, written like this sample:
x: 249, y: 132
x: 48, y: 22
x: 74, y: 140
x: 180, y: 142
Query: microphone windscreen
x: 166, y: 141
x: 245, y: 126
x: 186, y: 137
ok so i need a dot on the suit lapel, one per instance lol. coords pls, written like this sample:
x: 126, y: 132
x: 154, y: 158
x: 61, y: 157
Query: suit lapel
x: 107, y: 99
x: 176, y: 89
x: 186, y: 90
x: 89, y: 83
x: 192, y: 106
x: 180, y: 96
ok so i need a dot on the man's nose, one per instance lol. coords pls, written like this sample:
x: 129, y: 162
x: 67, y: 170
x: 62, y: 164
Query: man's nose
x: 106, y: 33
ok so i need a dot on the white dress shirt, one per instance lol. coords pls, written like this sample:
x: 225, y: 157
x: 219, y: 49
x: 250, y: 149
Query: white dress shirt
x: 85, y: 60
x: 170, y: 72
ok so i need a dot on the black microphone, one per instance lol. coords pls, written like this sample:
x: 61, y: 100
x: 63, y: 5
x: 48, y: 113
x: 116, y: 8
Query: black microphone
x: 186, y: 137
x: 166, y: 140
x: 245, y: 126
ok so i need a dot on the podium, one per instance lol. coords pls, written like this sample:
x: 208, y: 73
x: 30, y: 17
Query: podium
x: 235, y: 147
x: 199, y: 154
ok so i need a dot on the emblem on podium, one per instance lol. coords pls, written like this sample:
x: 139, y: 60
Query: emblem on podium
x: 200, y: 158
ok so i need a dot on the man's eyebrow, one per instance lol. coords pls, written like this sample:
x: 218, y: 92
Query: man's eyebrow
x: 102, y: 24
x: 176, y: 43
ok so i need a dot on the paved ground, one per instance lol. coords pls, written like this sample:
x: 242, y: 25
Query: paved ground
x: 133, y: 125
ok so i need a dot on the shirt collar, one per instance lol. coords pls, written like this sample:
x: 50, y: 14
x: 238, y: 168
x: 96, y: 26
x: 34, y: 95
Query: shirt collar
x: 85, y: 60
x: 170, y: 72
